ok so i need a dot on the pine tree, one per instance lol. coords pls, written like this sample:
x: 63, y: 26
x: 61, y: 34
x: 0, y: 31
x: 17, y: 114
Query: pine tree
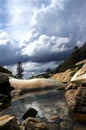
x: 19, y: 70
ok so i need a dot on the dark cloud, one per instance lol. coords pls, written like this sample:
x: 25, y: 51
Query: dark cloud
x: 40, y: 31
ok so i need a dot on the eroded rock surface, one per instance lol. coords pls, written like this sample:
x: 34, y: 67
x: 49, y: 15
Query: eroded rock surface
x: 33, y: 124
x: 8, y: 123
x: 76, y: 100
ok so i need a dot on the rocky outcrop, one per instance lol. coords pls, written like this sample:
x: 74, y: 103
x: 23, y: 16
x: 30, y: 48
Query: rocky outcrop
x: 80, y: 74
x: 8, y: 123
x: 74, y: 73
x: 76, y: 101
x: 5, y: 87
x: 3, y: 70
x: 62, y: 76
x: 71, y: 96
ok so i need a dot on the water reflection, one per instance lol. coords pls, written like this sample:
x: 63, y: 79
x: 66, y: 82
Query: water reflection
x: 51, y: 107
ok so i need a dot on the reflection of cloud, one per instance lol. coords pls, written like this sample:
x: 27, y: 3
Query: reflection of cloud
x: 43, y: 112
x: 45, y: 109
x: 36, y: 106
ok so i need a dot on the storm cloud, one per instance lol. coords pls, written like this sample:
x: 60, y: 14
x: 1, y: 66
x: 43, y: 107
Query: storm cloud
x: 40, y: 31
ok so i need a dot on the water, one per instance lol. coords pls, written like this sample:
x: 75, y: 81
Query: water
x: 51, y: 107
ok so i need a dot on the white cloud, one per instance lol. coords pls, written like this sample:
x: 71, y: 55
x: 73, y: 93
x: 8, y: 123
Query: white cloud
x: 3, y: 35
x: 20, y: 13
x: 40, y: 30
x: 24, y: 15
x: 5, y: 40
x: 32, y: 68
x: 12, y: 68
x: 45, y: 45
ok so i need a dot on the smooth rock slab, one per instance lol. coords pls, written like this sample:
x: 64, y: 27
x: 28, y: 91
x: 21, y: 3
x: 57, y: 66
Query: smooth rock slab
x: 8, y: 122
x: 34, y: 84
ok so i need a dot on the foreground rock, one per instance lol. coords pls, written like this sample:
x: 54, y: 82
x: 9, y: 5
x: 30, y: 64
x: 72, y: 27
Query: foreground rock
x: 76, y: 100
x: 33, y: 124
x: 8, y: 123
x: 31, y: 112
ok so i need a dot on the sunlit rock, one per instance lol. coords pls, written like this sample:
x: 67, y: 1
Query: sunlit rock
x: 33, y: 124
x: 8, y: 123
x: 80, y: 74
x: 34, y: 84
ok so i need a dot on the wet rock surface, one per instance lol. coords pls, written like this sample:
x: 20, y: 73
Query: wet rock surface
x: 31, y: 112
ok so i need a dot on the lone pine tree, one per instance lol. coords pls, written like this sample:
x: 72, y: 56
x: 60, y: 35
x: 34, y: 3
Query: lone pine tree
x: 19, y: 70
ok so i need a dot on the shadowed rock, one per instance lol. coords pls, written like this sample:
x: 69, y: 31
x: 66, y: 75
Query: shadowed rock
x: 31, y: 112
x: 5, y: 87
x: 3, y: 98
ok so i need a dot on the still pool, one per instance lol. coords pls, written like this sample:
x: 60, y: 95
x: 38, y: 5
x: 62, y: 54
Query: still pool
x: 51, y: 107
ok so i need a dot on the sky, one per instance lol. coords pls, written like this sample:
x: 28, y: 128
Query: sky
x: 40, y: 33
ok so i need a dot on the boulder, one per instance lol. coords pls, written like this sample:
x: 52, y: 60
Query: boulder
x: 8, y: 123
x: 76, y: 101
x: 31, y: 112
x: 71, y: 99
x: 33, y: 124
x: 73, y: 85
x: 5, y: 87
x: 83, y: 84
